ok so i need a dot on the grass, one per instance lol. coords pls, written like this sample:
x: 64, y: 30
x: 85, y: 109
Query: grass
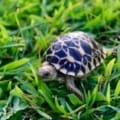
x: 26, y: 30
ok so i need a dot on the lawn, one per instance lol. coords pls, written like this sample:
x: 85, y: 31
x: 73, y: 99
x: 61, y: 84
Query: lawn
x: 27, y: 27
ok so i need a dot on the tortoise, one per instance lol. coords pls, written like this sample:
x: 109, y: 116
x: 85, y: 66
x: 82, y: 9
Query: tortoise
x: 71, y: 56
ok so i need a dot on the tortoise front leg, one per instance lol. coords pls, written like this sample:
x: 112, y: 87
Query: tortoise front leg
x: 70, y: 84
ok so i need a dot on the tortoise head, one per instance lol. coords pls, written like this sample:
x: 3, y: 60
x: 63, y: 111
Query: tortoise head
x: 47, y: 72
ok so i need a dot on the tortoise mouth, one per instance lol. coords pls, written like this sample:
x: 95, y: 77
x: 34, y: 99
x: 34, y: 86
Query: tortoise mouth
x: 47, y: 79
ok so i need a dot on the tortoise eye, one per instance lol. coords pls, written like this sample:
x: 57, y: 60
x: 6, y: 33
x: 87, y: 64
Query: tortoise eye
x: 46, y: 74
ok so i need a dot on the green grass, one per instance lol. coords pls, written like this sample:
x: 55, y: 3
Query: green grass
x: 27, y: 27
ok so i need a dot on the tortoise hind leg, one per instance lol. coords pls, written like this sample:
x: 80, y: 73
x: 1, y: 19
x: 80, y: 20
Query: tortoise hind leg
x: 70, y: 84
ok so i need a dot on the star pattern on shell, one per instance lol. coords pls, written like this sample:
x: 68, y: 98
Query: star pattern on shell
x: 75, y: 54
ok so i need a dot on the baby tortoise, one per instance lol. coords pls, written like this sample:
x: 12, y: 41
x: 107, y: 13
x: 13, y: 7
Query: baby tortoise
x: 72, y: 56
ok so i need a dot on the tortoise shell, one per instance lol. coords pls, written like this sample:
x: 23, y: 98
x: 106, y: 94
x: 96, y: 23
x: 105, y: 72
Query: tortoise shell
x: 75, y: 54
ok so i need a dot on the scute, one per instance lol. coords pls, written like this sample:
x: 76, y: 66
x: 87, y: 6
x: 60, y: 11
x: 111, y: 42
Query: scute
x: 70, y: 43
x: 49, y: 51
x: 77, y: 68
x: 86, y: 47
x: 56, y: 47
x: 52, y: 59
x: 69, y: 67
x: 87, y: 58
x: 75, y: 54
x: 60, y: 54
x: 62, y: 62
x: 83, y: 69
